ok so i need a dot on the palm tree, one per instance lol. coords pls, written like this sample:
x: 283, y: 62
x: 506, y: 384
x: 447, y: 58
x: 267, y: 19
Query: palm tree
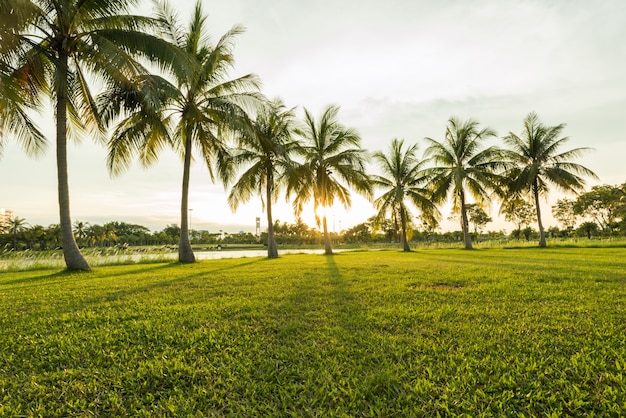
x: 264, y: 147
x: 537, y: 163
x: 333, y: 161
x: 94, y: 234
x: 189, y: 113
x: 80, y: 230
x: 34, y: 235
x: 53, y: 236
x: 17, y: 225
x: 403, y: 178
x: 52, y: 48
x: 109, y: 234
x: 463, y: 167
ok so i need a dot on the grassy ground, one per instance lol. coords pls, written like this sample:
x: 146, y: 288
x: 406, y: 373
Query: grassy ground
x: 492, y: 332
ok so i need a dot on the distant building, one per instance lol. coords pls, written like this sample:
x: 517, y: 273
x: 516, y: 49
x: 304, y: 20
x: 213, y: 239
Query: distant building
x: 5, y: 220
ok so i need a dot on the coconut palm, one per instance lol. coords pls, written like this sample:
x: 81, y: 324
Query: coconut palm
x: 108, y: 234
x: 53, y: 46
x: 17, y: 225
x: 403, y: 178
x: 264, y: 147
x: 333, y: 161
x: 80, y: 230
x: 189, y: 113
x: 94, y: 235
x: 34, y: 237
x: 537, y: 162
x: 53, y: 236
x: 463, y: 167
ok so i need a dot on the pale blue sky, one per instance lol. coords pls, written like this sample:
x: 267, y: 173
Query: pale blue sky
x: 397, y: 69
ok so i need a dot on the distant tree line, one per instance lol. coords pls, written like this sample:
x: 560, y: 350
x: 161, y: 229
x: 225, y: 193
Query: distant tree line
x: 599, y: 212
x: 19, y: 235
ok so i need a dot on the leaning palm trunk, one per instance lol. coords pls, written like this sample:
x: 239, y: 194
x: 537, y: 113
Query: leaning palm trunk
x: 405, y: 242
x: 542, y: 234
x: 465, y: 223
x: 272, y: 250
x: 185, y: 252
x: 327, y: 248
x: 74, y: 260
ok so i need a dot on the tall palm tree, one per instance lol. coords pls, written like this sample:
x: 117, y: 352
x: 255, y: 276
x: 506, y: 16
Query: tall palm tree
x: 333, y: 161
x: 403, y: 178
x: 52, y: 47
x: 189, y: 113
x: 265, y: 147
x: 463, y: 167
x: 538, y: 162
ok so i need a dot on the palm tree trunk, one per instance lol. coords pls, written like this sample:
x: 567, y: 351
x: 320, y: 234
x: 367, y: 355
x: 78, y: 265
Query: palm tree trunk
x: 464, y: 222
x: 405, y: 242
x: 74, y: 260
x: 185, y: 252
x: 542, y: 234
x: 327, y: 248
x: 395, y: 227
x: 272, y: 250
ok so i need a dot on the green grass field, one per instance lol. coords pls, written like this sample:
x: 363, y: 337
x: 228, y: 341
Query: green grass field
x: 491, y: 332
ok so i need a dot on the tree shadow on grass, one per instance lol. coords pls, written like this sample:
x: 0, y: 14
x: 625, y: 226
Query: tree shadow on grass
x: 320, y: 307
x: 348, y: 313
x: 322, y: 341
x: 169, y: 275
x: 46, y: 279
x: 64, y: 276
x: 160, y: 284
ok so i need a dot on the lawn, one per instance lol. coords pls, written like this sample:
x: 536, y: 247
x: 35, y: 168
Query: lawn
x: 491, y: 332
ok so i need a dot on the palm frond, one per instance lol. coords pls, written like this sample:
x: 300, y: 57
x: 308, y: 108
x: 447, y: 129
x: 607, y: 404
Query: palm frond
x: 537, y: 161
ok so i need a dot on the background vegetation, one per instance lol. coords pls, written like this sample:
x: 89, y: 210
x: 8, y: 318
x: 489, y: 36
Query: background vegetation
x: 597, y: 213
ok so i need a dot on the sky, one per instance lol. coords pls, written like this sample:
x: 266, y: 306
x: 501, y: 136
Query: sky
x: 397, y: 69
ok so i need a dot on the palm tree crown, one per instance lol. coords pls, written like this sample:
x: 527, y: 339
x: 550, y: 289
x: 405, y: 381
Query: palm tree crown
x: 462, y: 166
x: 17, y: 92
x: 333, y: 161
x: 264, y: 147
x: 403, y: 178
x: 190, y: 113
x: 537, y: 162
x: 16, y: 97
